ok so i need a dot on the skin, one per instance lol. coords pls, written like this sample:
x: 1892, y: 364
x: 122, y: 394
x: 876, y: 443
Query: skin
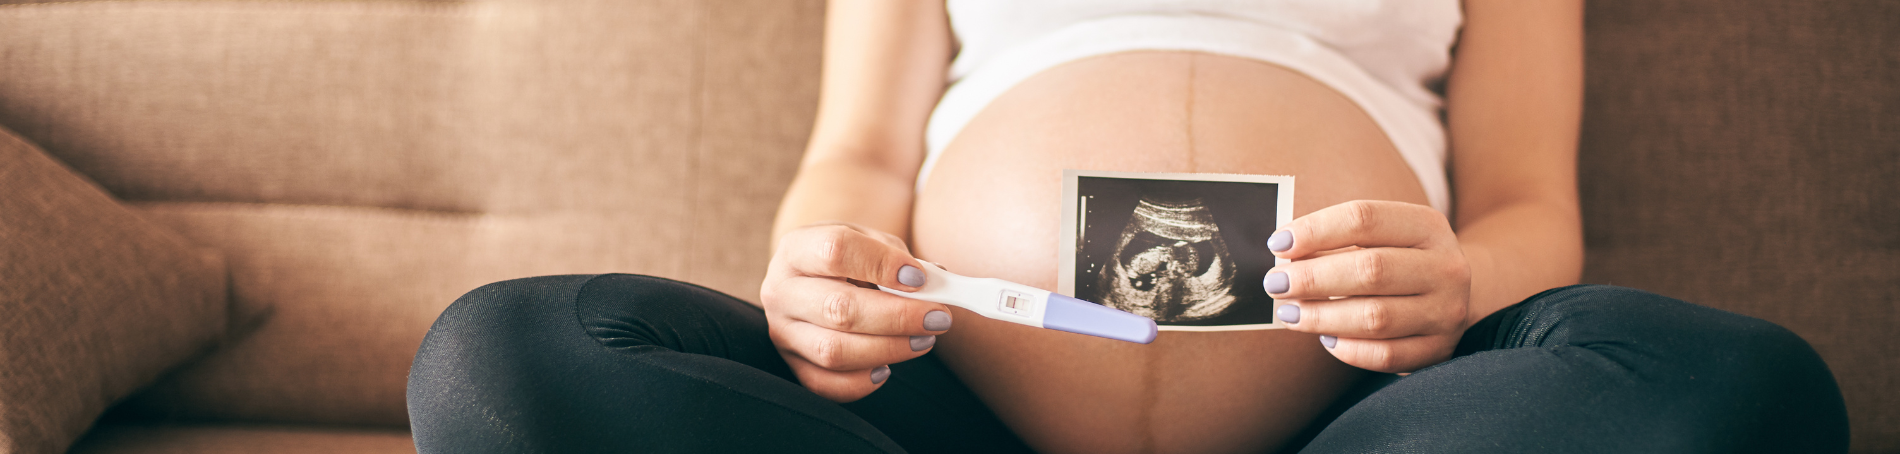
x: 1394, y: 281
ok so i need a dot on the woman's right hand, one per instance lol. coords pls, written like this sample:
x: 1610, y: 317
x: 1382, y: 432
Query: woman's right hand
x: 839, y: 333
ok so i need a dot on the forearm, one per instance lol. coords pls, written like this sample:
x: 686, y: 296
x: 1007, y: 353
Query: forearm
x: 1514, y: 102
x: 1519, y: 249
x: 883, y: 71
x: 847, y: 191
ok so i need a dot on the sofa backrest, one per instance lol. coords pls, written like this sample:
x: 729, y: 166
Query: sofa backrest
x: 363, y: 163
x: 1746, y: 155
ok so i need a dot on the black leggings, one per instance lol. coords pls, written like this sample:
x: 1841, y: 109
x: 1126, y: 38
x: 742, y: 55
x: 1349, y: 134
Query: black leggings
x: 625, y: 363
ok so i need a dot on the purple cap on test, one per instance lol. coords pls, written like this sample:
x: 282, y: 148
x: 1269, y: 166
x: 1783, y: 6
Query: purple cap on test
x: 1083, y: 317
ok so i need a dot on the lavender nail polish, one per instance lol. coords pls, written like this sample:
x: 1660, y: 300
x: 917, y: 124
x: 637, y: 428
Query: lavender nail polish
x: 1289, y: 313
x: 1280, y: 241
x: 879, y: 374
x: 1275, y: 283
x: 919, y: 343
x: 911, y: 276
x: 936, y: 321
x: 1328, y: 341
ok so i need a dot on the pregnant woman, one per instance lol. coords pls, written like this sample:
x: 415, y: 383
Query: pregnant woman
x: 1437, y: 227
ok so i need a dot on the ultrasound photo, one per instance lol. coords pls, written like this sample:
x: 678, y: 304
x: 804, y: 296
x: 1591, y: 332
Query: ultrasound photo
x: 1186, y: 250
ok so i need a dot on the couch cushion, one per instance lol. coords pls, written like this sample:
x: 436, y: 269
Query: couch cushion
x: 352, y: 291
x: 1743, y: 155
x: 361, y: 164
x: 94, y: 301
x: 241, y: 439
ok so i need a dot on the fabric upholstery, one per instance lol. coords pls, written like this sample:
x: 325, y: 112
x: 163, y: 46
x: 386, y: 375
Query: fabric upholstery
x: 1746, y: 156
x: 95, y: 301
x: 242, y: 439
x: 361, y: 164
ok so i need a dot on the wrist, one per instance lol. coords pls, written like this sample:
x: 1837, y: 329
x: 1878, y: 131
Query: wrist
x: 1479, y: 299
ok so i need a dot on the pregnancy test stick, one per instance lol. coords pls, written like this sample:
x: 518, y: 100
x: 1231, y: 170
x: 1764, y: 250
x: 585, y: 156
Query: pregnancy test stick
x: 1022, y: 304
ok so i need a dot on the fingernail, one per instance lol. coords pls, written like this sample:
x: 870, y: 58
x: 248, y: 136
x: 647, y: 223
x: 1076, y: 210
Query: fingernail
x: 911, y: 276
x: 1328, y: 341
x: 919, y: 343
x: 1289, y: 313
x: 1275, y: 283
x: 879, y: 374
x: 936, y: 321
x: 1280, y: 241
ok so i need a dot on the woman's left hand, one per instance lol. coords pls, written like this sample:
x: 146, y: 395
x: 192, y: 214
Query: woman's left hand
x: 1385, y: 284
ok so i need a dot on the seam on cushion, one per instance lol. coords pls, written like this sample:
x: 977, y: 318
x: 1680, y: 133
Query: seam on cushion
x: 455, y: 8
x: 581, y: 325
x: 358, y: 212
x: 316, y: 210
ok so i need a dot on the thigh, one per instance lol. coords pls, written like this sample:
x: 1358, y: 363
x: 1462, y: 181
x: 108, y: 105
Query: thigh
x: 612, y: 363
x: 1607, y: 369
x: 926, y: 409
x: 594, y: 364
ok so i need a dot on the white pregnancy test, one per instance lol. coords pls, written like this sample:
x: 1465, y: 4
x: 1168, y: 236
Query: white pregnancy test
x: 1022, y: 304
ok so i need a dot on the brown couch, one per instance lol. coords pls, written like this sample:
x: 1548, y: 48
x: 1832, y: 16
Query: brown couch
x: 225, y: 225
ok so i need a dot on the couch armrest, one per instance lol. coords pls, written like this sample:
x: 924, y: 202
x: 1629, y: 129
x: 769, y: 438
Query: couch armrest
x: 95, y: 302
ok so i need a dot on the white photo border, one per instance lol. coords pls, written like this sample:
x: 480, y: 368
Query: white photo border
x: 1071, y: 226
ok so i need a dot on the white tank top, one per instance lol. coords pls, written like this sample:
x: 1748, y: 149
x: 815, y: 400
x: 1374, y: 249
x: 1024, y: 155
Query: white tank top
x: 1387, y: 56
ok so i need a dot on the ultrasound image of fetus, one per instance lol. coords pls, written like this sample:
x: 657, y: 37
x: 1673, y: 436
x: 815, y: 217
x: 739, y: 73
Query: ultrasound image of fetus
x: 1170, y: 264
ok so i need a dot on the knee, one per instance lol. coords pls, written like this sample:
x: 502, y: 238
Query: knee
x: 482, y: 347
x: 1588, y: 314
x: 489, y: 325
x: 1773, y: 366
x: 530, y: 320
x: 1746, y: 367
x: 503, y: 309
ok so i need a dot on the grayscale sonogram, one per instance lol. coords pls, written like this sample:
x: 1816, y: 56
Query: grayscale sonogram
x: 1186, y: 250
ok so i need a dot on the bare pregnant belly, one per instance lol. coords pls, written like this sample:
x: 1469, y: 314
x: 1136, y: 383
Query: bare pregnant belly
x: 992, y: 208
